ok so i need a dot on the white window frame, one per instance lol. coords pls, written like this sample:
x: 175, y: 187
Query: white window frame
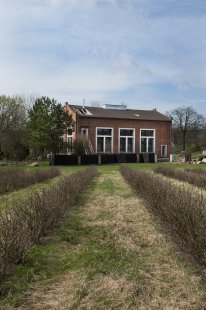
x: 154, y: 137
x: 105, y: 139
x: 164, y: 145
x: 133, y: 149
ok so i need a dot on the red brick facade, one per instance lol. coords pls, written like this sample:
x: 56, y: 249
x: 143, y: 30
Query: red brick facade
x: 162, y: 131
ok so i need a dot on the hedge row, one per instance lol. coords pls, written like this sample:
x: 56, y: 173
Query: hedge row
x: 13, y: 179
x: 180, y: 210
x: 199, y: 171
x: 24, y: 224
x: 192, y: 176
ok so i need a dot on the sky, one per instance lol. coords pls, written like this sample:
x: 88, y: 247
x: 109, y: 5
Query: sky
x: 143, y: 53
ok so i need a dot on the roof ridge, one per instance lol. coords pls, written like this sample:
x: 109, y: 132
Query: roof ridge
x: 132, y: 114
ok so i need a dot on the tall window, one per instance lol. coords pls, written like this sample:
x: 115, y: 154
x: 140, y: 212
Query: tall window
x: 164, y: 150
x: 104, y: 140
x: 126, y: 140
x: 147, y: 140
x: 69, y: 143
x: 69, y: 140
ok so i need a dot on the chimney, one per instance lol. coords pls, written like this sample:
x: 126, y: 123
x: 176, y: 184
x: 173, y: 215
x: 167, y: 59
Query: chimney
x: 66, y: 104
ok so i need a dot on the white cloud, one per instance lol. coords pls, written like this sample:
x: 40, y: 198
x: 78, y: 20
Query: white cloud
x: 112, y: 49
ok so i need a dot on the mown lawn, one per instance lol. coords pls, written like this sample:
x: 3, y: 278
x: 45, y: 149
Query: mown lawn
x: 109, y: 253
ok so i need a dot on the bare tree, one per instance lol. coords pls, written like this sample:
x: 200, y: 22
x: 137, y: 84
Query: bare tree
x: 185, y: 120
x: 27, y: 99
x: 13, y: 118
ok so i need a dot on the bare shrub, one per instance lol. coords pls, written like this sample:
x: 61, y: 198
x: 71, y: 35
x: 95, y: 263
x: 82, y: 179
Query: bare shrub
x: 192, y: 176
x: 200, y: 171
x: 13, y: 179
x: 22, y: 225
x: 181, y: 211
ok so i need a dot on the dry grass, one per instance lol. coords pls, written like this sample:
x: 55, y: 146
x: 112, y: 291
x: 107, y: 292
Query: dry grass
x: 165, y: 282
x: 54, y: 296
x: 153, y: 273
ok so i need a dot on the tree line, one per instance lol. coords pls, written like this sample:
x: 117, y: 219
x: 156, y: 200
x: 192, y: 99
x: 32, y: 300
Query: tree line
x: 33, y: 126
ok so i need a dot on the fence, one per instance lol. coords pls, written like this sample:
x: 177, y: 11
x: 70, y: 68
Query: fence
x: 94, y: 159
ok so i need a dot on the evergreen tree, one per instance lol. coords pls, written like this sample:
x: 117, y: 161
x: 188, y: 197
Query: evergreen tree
x: 48, y: 122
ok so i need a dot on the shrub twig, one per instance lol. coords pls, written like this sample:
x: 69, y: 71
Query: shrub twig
x: 196, y: 177
x: 13, y: 179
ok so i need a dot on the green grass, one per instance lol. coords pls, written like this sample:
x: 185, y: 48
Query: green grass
x: 84, y: 243
x: 47, y: 261
x: 22, y: 194
x: 75, y: 246
x: 8, y: 198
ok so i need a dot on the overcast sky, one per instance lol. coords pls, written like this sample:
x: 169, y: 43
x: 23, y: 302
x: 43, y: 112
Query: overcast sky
x: 145, y: 53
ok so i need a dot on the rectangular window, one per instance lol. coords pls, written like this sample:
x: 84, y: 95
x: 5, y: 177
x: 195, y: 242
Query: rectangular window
x: 84, y: 132
x: 143, y: 145
x: 130, y: 145
x: 104, y: 131
x: 69, y: 140
x: 100, y: 144
x: 126, y: 140
x: 147, y: 133
x: 104, y: 140
x: 147, y: 138
x: 69, y: 143
x: 164, y: 150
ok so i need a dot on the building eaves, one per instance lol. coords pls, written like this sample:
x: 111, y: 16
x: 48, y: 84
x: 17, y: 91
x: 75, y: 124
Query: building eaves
x: 96, y: 112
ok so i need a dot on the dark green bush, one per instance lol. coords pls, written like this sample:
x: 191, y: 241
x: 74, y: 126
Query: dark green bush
x: 180, y: 210
x: 23, y: 225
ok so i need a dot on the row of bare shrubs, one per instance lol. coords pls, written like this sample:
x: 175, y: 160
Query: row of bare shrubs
x: 196, y: 177
x: 199, y: 171
x: 23, y: 225
x: 181, y: 211
x: 13, y: 179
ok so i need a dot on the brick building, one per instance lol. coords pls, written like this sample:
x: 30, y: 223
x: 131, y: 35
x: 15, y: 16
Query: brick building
x: 116, y: 129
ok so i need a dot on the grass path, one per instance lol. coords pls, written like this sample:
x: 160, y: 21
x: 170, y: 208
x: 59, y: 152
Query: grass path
x: 109, y: 254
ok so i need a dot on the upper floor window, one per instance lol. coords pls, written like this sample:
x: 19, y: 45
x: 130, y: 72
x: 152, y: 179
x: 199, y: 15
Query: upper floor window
x: 147, y: 139
x: 126, y: 140
x: 104, y: 140
x: 84, y: 132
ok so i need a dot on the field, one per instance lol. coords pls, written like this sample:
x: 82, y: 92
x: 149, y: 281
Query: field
x: 110, y: 251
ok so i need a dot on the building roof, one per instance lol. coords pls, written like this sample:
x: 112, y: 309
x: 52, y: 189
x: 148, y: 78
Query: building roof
x: 96, y: 112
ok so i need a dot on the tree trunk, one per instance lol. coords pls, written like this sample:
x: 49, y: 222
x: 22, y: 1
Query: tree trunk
x: 183, y: 140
